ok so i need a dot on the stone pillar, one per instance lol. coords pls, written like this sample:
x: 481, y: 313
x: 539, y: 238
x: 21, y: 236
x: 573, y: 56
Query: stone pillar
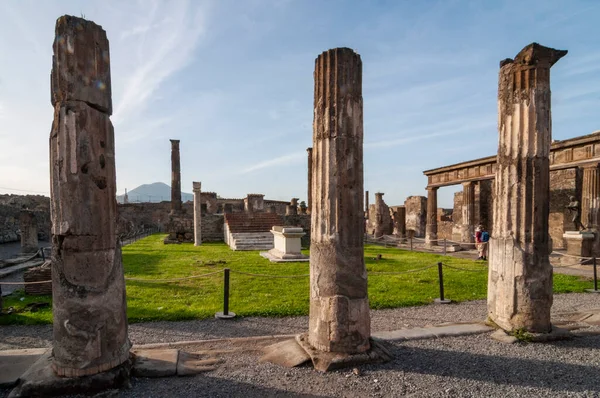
x: 400, y: 222
x: 339, y: 307
x: 197, y: 188
x: 175, y: 177
x: 380, y: 219
x: 88, y: 288
x: 431, y: 228
x: 310, y: 161
x: 126, y: 197
x: 29, y: 233
x: 468, y: 213
x: 590, y: 196
x: 520, y: 275
x: 367, y: 202
x: 292, y: 208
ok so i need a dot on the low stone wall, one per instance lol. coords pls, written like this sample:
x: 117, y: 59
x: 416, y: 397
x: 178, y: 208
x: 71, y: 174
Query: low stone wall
x: 10, y: 209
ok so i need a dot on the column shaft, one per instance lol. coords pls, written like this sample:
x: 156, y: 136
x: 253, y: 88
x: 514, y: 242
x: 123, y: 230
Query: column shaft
x: 339, y: 307
x: 197, y: 187
x: 590, y: 196
x: 175, y: 177
x: 520, y: 275
x: 468, y: 213
x: 431, y: 227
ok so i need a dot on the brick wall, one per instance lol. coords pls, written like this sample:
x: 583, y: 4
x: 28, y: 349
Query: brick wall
x: 416, y: 215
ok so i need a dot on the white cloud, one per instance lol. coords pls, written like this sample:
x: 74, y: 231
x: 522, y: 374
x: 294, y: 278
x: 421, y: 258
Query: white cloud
x: 285, y: 160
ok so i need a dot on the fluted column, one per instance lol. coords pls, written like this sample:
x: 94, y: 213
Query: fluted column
x: 339, y: 307
x: 520, y: 275
x: 468, y: 213
x: 197, y: 187
x: 88, y: 287
x: 175, y: 177
x: 310, y: 161
x: 431, y: 227
x: 590, y: 196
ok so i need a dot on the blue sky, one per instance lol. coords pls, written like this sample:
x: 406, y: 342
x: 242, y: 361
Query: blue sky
x: 233, y: 80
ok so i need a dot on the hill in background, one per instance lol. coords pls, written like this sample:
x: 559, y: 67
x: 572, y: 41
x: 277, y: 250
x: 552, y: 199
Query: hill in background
x: 155, y: 192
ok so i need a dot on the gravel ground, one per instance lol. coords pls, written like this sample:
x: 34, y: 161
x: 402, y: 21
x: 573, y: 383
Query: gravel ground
x: 14, y: 337
x: 469, y: 366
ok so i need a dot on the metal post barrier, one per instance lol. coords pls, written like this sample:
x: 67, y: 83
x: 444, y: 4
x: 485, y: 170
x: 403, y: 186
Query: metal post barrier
x: 226, y: 314
x: 441, y: 299
x: 595, y: 289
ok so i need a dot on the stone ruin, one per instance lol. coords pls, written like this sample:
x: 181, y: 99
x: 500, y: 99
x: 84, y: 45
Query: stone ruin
x: 520, y: 274
x: 89, y: 306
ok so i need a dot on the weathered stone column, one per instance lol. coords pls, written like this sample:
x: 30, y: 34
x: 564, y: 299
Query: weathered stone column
x: 520, y: 275
x: 400, y: 222
x: 29, y: 233
x: 89, y: 307
x: 339, y: 306
x: 126, y: 197
x: 590, y: 196
x: 381, y: 219
x: 292, y: 208
x: 197, y: 187
x: 431, y: 227
x: 310, y: 162
x: 175, y: 177
x: 468, y: 213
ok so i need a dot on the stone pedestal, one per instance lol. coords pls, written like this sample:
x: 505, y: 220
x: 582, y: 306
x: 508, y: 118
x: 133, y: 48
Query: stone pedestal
x: 287, y: 245
x: 579, y: 243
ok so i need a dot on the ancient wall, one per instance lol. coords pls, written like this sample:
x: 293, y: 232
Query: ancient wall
x: 445, y: 230
x: 279, y: 205
x: 416, y: 215
x: 563, y: 183
x: 10, y: 209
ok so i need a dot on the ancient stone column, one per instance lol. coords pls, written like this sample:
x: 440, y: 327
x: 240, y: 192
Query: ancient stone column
x: 292, y: 208
x: 29, y: 232
x: 175, y: 177
x: 520, y: 275
x: 431, y: 227
x: 126, y: 197
x: 381, y: 218
x: 339, y: 306
x: 468, y: 213
x: 400, y: 222
x: 197, y: 188
x: 310, y: 161
x: 89, y: 307
x: 590, y: 196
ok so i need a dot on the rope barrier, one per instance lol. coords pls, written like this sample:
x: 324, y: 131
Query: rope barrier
x: 270, y: 276
x: 465, y: 269
x: 570, y: 255
x: 402, y: 272
x: 24, y: 283
x: 174, y: 279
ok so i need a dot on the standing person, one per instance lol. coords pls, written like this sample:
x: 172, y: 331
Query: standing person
x: 481, y: 238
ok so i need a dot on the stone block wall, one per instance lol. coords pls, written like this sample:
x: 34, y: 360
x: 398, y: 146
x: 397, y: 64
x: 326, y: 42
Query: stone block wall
x: 416, y: 215
x: 212, y: 228
x: 563, y: 183
x: 10, y: 209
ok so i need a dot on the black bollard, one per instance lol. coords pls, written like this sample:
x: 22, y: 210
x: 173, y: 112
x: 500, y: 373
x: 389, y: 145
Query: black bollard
x: 595, y: 289
x: 441, y: 299
x: 225, y: 314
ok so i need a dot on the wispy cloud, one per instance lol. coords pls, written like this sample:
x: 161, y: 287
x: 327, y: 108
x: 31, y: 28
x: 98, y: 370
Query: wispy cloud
x: 285, y: 160
x: 164, y: 47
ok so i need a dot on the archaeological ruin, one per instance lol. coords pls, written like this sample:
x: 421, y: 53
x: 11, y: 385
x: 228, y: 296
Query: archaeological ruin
x: 88, y: 287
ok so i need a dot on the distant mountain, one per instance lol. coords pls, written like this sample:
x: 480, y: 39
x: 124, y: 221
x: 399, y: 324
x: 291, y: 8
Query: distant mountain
x: 155, y: 192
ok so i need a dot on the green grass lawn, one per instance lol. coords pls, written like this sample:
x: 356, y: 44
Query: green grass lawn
x: 200, y: 298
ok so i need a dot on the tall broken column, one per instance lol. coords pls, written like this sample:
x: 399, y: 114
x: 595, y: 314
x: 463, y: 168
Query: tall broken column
x: 431, y: 227
x: 380, y: 217
x: 29, y: 232
x: 339, y: 306
x: 400, y: 222
x: 468, y: 213
x: 88, y: 287
x: 310, y: 162
x: 520, y: 274
x: 175, y: 177
x: 197, y: 188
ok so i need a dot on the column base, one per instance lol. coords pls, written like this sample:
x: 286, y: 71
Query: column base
x: 295, y: 352
x: 40, y: 380
x: 579, y: 243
